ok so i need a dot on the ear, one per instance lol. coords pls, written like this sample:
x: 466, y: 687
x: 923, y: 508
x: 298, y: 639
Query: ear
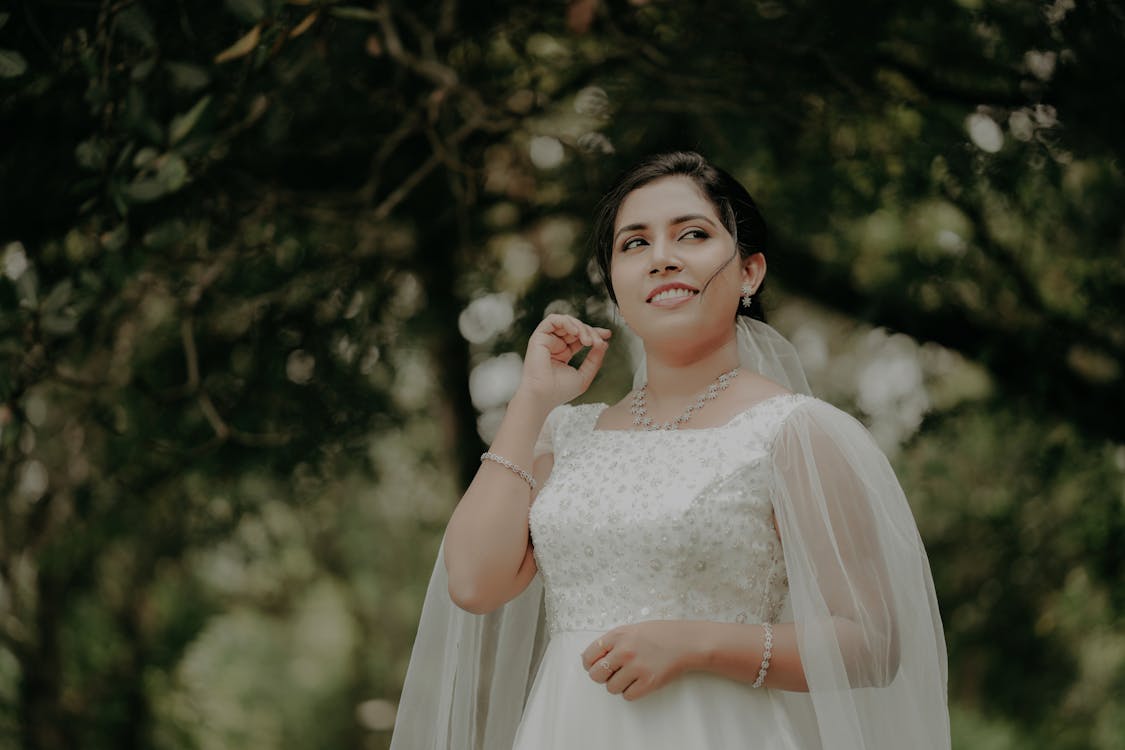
x: 754, y: 270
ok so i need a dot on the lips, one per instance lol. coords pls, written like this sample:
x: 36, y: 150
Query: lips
x: 666, y: 292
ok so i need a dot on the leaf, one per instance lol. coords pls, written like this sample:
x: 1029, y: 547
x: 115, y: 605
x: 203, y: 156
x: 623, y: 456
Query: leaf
x: 258, y: 108
x: 13, y: 261
x: 242, y: 47
x: 144, y: 190
x: 12, y: 63
x: 356, y: 14
x: 247, y: 10
x: 117, y: 193
x: 27, y: 288
x: 58, y: 296
x: 304, y: 25
x: 137, y: 117
x: 143, y: 69
x: 136, y: 24
x: 79, y: 246
x: 4, y: 19
x: 186, y: 77
x: 115, y: 239
x: 183, y: 124
x: 165, y: 235
x: 125, y: 154
x: 144, y: 157
x: 173, y: 173
x: 91, y: 154
x: 59, y: 324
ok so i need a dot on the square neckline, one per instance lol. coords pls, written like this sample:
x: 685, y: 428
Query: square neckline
x: 594, y: 429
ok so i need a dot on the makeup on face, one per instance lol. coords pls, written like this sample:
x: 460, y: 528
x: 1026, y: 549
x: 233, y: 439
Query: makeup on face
x: 669, y: 247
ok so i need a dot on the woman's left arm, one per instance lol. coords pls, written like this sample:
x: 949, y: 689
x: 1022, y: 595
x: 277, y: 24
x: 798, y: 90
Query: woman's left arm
x: 635, y: 660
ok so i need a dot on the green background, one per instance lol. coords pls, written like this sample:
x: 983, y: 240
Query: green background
x: 251, y: 252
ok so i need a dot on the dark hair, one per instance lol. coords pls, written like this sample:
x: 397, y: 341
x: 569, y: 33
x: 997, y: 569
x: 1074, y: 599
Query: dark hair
x: 732, y: 202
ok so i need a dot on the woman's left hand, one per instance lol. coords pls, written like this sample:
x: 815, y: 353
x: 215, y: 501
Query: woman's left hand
x: 634, y: 660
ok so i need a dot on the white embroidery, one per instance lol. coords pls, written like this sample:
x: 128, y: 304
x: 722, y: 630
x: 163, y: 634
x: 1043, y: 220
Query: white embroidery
x: 639, y: 525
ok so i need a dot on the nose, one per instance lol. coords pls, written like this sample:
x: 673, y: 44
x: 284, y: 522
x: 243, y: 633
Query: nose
x: 662, y: 258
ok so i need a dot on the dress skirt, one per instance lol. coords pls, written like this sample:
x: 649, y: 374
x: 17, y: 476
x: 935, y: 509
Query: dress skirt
x: 566, y: 710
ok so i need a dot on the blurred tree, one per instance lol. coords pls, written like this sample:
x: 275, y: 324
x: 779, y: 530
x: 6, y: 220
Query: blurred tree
x: 236, y: 242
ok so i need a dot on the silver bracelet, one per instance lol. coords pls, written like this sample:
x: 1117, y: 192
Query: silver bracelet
x: 510, y: 467
x: 767, y: 654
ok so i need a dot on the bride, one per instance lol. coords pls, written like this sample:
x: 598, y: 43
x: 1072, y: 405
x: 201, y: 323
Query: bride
x: 718, y: 560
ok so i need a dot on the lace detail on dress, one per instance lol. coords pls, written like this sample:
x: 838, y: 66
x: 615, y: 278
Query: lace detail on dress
x: 637, y: 525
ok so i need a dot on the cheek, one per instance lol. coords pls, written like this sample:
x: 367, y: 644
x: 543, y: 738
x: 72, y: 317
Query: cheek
x: 619, y: 278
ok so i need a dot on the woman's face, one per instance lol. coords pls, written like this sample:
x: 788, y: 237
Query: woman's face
x: 669, y: 245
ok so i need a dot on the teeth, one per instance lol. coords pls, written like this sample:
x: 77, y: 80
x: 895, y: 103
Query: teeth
x: 672, y: 294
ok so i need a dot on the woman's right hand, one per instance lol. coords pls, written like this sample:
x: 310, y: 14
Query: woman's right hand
x: 547, y: 374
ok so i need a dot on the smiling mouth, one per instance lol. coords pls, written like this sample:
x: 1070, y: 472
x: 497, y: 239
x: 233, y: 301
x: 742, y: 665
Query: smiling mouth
x: 672, y: 294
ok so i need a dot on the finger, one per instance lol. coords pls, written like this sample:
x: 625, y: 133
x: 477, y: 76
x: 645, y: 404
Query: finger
x: 591, y: 655
x: 585, y: 334
x: 572, y: 348
x: 562, y: 326
x: 562, y: 344
x: 639, y: 689
x: 593, y: 362
x: 620, y: 681
x: 572, y: 326
x: 565, y: 334
x: 595, y: 651
x: 602, y: 671
x: 551, y: 324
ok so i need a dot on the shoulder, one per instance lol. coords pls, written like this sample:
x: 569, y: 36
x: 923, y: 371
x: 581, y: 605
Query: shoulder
x: 812, y: 428
x: 614, y: 416
x: 817, y: 416
x: 569, y: 418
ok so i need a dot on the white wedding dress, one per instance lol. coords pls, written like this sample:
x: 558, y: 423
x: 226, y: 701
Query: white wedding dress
x: 660, y: 525
x: 638, y: 525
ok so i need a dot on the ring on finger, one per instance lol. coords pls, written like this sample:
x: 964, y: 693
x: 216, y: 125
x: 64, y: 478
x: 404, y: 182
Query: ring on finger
x: 604, y: 664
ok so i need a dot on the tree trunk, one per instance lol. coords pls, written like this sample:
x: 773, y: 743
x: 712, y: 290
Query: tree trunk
x: 41, y: 716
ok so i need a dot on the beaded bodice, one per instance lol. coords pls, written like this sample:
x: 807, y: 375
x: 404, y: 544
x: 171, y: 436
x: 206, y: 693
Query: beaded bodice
x: 638, y: 525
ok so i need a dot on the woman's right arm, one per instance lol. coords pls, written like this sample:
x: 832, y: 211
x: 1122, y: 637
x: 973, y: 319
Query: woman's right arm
x: 488, y: 543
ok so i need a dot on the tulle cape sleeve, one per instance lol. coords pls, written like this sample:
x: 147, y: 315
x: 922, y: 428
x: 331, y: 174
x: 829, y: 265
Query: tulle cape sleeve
x: 860, y: 591
x: 469, y: 675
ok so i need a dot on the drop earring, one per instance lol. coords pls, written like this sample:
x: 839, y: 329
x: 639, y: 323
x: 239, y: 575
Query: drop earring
x: 747, y: 295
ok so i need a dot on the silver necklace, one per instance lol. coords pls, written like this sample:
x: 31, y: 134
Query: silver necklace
x: 639, y: 407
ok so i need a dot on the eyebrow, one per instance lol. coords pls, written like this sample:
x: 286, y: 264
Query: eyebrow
x: 678, y: 220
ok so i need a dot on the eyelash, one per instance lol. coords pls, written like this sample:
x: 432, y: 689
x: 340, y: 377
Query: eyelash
x: 628, y: 244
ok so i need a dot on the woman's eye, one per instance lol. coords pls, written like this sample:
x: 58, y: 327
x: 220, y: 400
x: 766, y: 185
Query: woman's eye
x: 630, y: 244
x: 694, y: 234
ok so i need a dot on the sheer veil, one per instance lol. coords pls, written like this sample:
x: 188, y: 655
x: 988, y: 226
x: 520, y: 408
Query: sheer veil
x: 760, y: 349
x: 860, y: 593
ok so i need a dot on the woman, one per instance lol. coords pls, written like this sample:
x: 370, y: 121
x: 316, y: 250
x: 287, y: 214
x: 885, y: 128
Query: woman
x: 726, y: 562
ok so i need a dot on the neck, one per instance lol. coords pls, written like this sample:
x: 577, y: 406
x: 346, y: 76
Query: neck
x: 677, y: 374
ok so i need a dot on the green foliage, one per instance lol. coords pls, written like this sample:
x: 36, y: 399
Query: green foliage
x: 236, y: 246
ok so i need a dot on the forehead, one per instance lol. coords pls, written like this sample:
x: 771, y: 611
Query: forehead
x: 662, y: 200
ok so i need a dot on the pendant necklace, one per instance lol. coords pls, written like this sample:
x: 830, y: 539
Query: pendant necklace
x: 639, y: 407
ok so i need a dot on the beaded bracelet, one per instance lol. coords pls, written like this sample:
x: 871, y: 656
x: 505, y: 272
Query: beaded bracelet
x: 767, y: 654
x: 510, y: 467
